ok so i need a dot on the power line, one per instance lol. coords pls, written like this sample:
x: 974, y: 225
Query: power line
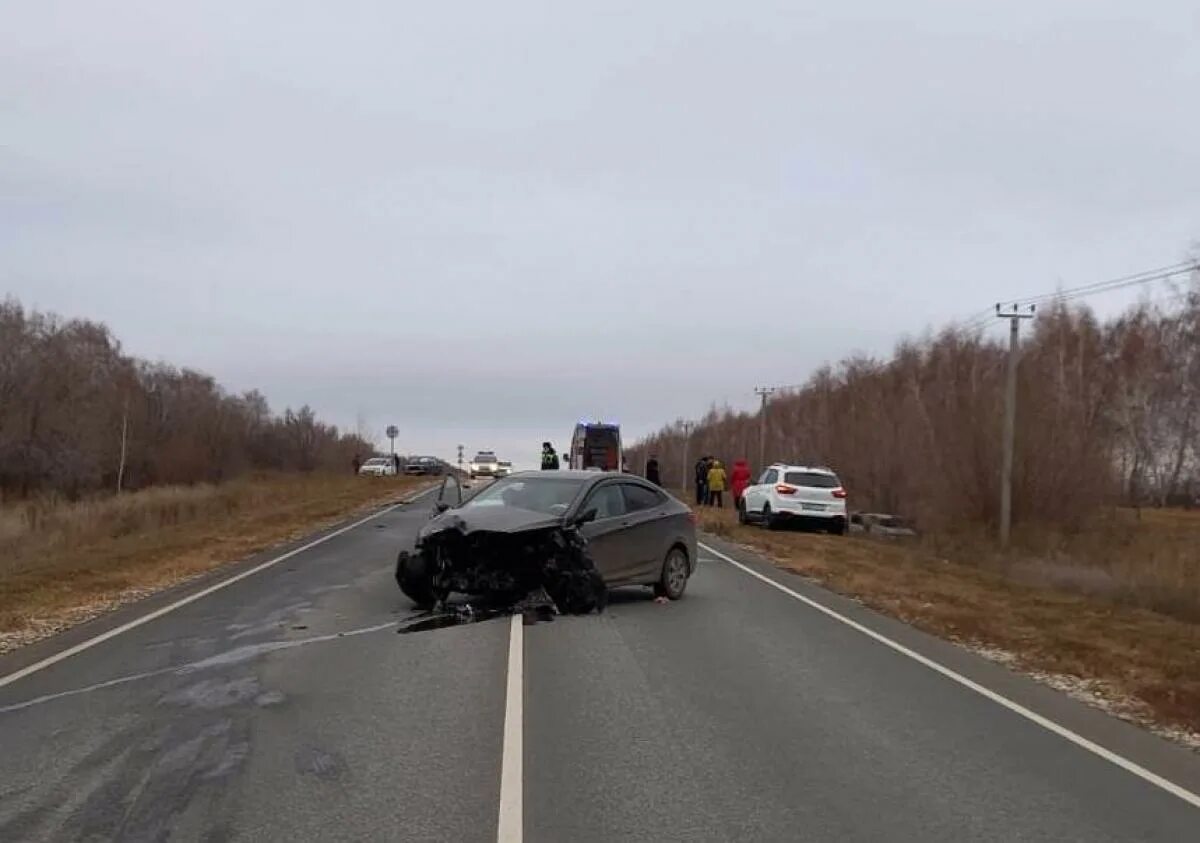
x: 982, y: 320
x: 1161, y: 273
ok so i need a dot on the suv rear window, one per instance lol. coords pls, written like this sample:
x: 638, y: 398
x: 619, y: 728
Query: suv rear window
x: 811, y: 479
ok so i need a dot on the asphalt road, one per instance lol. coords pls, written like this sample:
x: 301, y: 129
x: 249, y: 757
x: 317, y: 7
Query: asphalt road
x: 285, y: 707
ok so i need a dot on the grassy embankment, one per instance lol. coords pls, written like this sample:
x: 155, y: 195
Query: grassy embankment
x: 1111, y: 614
x: 62, y: 562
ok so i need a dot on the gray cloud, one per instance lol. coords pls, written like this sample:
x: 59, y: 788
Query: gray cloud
x: 483, y: 222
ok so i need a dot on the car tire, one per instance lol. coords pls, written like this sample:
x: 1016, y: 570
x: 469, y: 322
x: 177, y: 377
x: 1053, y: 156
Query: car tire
x: 414, y: 580
x: 768, y: 518
x: 837, y: 528
x: 674, y: 578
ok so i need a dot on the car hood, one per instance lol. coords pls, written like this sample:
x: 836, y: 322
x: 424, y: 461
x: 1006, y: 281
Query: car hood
x: 498, y: 519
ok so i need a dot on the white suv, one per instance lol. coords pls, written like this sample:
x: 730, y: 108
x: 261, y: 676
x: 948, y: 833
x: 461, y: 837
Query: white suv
x: 795, y: 492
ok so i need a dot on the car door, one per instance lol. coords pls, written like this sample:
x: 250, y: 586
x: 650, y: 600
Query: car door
x: 648, y: 533
x: 603, y: 534
x: 757, y: 495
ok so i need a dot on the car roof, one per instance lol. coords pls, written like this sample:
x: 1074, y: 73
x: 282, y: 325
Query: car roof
x: 581, y: 474
x: 812, y: 469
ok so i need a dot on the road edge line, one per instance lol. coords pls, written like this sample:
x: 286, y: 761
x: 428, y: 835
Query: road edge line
x: 1045, y: 722
x: 191, y: 598
x: 511, y: 821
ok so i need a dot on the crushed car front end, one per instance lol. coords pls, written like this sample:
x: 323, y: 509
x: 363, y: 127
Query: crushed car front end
x: 504, y: 559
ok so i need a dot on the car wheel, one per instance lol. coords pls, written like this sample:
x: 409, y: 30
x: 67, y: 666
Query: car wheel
x: 674, y: 577
x: 768, y: 518
x: 838, y: 527
x: 414, y: 580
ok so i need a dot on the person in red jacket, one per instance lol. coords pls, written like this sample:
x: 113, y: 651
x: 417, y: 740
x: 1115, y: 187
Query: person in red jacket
x: 738, y: 481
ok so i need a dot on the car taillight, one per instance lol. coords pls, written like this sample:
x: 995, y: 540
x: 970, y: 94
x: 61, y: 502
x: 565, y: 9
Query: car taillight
x: 785, y: 489
x: 839, y: 493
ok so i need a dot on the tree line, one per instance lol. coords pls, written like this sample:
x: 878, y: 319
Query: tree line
x: 1106, y: 412
x: 78, y: 416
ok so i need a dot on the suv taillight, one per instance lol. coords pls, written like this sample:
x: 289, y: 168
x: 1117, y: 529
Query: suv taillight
x: 785, y: 489
x: 839, y: 493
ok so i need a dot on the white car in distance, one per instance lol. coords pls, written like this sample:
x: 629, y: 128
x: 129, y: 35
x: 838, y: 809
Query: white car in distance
x: 379, y: 467
x: 796, y: 493
x: 484, y: 464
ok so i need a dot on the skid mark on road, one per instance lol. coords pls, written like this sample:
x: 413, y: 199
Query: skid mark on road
x: 231, y: 657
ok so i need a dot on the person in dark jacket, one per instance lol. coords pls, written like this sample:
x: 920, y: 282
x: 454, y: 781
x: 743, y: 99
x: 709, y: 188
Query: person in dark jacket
x: 652, y: 470
x: 549, y: 457
x: 356, y: 462
x: 396, y: 463
x: 702, y: 481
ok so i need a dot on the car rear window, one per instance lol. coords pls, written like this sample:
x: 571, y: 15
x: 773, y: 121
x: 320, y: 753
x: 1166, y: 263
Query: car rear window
x: 639, y: 497
x: 812, y: 479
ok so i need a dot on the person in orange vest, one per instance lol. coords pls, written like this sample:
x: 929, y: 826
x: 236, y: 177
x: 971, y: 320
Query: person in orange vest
x: 716, y: 485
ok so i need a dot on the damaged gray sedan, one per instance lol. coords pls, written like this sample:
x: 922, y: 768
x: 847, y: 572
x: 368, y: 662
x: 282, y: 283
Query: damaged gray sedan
x: 562, y: 536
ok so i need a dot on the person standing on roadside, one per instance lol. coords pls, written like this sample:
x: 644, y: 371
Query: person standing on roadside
x: 738, y: 481
x: 549, y: 457
x: 716, y: 485
x: 652, y: 470
x: 356, y: 462
x: 396, y: 463
x: 701, y: 481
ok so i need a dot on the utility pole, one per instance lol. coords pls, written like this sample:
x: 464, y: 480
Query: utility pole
x: 687, y: 436
x: 1014, y: 314
x: 764, y: 392
x: 124, y: 444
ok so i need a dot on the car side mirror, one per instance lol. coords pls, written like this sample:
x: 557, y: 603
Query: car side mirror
x: 440, y: 507
x: 585, y: 517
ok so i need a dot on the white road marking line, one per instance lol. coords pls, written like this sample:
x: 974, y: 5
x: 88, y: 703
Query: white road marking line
x: 511, y: 825
x: 192, y: 598
x: 1062, y: 731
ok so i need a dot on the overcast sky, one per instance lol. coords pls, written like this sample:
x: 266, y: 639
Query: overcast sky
x: 483, y: 221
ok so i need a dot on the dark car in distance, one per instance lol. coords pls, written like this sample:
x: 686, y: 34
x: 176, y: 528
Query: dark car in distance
x: 423, y: 466
x: 508, y: 536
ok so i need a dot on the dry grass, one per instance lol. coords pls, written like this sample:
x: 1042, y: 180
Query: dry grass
x: 63, y: 562
x: 1093, y: 624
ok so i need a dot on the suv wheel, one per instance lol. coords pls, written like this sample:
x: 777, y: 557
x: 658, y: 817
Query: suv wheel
x: 768, y: 518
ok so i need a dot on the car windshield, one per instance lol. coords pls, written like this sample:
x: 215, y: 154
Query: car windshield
x: 547, y: 495
x: 485, y: 458
x: 378, y: 461
x: 812, y: 479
